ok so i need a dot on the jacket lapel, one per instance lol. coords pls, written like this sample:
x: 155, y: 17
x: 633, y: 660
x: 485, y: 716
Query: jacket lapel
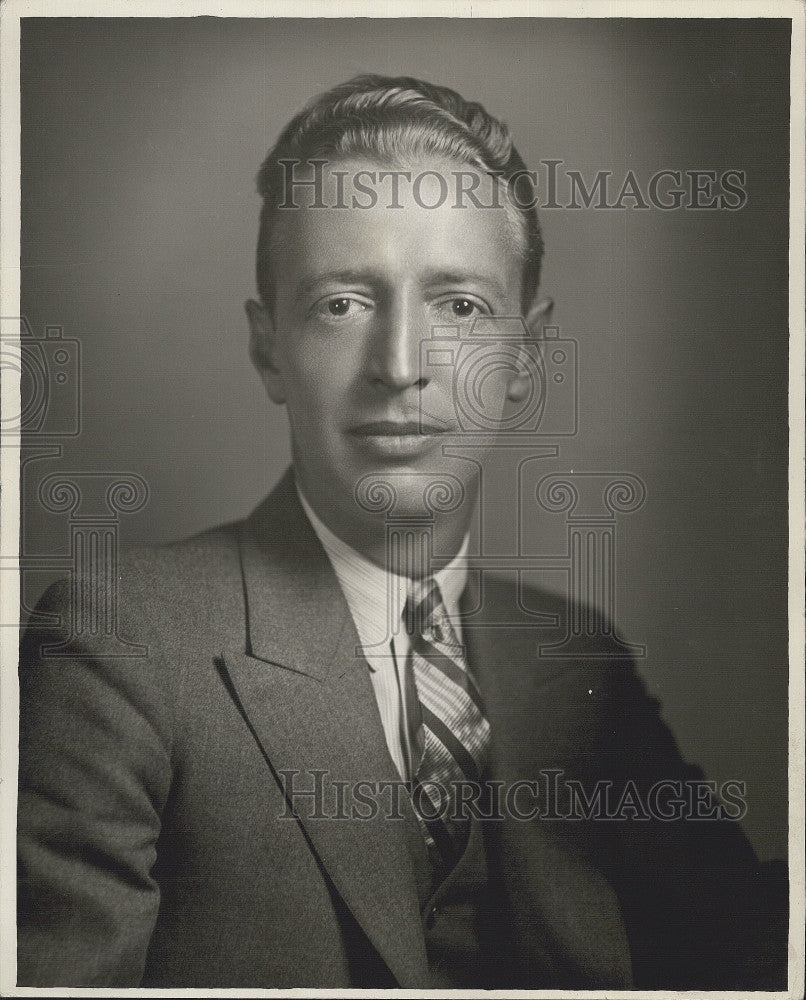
x: 308, y: 697
x: 307, y: 694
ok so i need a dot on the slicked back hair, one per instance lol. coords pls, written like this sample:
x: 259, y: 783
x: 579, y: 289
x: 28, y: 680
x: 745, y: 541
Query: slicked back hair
x: 394, y: 120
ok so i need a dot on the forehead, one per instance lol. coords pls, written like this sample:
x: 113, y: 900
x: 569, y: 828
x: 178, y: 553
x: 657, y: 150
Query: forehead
x: 421, y: 222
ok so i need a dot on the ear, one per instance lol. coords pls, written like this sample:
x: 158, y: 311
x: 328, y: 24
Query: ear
x: 263, y: 349
x: 538, y: 317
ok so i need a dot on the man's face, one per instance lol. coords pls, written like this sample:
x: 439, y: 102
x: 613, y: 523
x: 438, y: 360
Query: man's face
x: 356, y: 292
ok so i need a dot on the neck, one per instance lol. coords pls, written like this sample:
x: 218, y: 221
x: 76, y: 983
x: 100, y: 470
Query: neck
x: 402, y: 544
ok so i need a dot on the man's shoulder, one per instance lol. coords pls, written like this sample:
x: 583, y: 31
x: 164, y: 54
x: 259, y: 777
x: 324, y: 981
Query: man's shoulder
x: 528, y: 597
x: 552, y: 616
x: 204, y: 556
x: 571, y: 648
x: 189, y: 580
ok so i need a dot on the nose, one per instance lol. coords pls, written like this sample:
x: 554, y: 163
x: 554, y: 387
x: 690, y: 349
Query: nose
x: 395, y: 349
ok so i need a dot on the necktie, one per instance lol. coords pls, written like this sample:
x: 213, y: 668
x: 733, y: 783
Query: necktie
x: 447, y: 731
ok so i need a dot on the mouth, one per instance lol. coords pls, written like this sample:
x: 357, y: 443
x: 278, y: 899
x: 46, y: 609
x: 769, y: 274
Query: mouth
x: 394, y: 428
x: 397, y: 438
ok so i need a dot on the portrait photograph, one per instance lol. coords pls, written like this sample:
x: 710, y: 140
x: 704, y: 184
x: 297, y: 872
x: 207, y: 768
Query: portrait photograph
x: 402, y: 499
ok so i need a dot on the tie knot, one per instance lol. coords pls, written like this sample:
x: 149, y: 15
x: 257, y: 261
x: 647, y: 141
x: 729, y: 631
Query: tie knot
x: 425, y: 612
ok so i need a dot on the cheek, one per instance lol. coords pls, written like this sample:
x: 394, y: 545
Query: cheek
x: 316, y: 376
x: 480, y: 393
x: 324, y: 365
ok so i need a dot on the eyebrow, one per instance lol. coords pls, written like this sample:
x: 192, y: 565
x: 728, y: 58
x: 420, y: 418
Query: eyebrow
x: 345, y: 276
x: 463, y: 277
x: 370, y: 277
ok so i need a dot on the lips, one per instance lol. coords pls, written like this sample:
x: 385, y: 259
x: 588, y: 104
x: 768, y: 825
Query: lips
x: 397, y: 440
x: 394, y: 428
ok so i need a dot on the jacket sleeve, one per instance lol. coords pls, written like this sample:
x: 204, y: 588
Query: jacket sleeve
x: 94, y: 774
x: 701, y: 911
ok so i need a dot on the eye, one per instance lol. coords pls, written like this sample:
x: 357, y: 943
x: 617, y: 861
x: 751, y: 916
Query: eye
x: 340, y: 307
x: 462, y: 307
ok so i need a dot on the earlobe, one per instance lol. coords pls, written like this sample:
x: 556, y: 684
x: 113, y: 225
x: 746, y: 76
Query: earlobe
x: 262, y: 349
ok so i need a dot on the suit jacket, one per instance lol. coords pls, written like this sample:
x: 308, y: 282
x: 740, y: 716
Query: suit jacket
x: 155, y: 841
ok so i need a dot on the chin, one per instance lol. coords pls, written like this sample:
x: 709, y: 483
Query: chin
x: 422, y: 491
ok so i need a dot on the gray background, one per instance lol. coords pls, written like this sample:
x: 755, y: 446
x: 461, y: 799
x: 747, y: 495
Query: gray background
x: 140, y: 143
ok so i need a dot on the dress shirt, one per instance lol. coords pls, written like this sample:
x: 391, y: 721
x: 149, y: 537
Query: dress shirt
x: 370, y: 591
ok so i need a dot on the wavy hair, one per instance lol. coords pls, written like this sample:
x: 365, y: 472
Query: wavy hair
x: 392, y: 119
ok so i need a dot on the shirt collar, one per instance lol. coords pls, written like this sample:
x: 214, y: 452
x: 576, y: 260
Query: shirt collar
x: 368, y: 587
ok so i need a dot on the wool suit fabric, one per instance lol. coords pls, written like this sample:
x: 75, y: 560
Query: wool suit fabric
x: 155, y: 843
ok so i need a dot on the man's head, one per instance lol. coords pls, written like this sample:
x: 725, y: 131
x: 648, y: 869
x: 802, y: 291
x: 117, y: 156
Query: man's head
x: 356, y: 268
x: 392, y: 121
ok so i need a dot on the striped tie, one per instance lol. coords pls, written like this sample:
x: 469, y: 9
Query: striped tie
x: 447, y: 732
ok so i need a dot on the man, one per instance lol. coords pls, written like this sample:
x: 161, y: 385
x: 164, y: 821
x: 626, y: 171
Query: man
x: 301, y: 783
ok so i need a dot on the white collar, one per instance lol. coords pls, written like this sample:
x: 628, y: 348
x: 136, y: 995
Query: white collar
x: 369, y: 589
